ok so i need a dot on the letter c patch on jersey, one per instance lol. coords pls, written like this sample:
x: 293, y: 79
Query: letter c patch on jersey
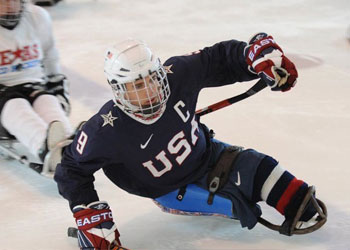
x: 177, y: 106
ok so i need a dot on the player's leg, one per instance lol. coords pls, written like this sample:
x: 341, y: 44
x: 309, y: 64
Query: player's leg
x: 20, y: 120
x: 243, y: 207
x: 290, y: 196
x: 257, y: 177
x: 254, y: 177
x: 48, y: 107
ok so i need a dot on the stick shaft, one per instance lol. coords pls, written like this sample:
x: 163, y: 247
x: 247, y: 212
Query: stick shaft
x: 227, y: 102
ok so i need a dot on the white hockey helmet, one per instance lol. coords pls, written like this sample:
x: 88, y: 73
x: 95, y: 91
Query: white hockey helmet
x: 10, y: 12
x: 138, y: 80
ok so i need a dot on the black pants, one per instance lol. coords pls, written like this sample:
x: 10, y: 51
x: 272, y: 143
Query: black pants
x: 28, y: 91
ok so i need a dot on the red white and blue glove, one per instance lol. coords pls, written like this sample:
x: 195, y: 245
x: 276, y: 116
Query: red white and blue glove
x: 267, y: 59
x: 96, y: 229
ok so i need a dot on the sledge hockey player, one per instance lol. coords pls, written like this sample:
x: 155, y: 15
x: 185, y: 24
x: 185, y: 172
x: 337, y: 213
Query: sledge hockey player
x: 149, y: 142
x: 34, y: 101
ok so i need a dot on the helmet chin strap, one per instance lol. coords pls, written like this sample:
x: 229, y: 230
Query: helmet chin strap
x: 150, y: 115
x: 149, y: 109
x: 145, y: 111
x: 139, y: 117
x: 9, y: 21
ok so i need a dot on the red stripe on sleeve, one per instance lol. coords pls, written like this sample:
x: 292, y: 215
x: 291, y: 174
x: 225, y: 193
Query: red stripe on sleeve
x: 288, y: 194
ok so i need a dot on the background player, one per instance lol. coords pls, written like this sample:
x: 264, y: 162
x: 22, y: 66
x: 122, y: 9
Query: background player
x: 34, y: 100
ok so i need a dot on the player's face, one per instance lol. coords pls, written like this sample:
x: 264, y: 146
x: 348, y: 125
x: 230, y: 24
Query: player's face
x: 143, y: 92
x: 8, y: 7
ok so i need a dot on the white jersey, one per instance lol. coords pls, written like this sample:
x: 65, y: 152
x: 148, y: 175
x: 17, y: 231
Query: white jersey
x: 28, y: 52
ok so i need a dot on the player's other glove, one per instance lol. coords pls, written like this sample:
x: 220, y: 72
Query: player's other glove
x: 96, y: 229
x: 58, y: 85
x: 267, y: 59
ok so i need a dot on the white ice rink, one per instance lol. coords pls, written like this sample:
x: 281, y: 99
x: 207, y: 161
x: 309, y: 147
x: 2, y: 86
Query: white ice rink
x: 306, y: 129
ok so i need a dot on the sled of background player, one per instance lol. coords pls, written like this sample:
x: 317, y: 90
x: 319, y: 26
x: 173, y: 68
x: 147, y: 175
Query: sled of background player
x: 8, y: 151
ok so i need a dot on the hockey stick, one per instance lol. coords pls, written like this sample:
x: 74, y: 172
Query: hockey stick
x: 260, y: 85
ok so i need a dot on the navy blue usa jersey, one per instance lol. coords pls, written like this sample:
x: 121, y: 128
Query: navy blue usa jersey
x: 152, y: 160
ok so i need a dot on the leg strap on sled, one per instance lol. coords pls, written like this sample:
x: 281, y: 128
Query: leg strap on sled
x: 194, y: 200
x: 218, y: 176
x: 290, y: 226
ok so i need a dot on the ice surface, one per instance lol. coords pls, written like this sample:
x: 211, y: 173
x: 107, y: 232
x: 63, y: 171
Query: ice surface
x: 306, y: 129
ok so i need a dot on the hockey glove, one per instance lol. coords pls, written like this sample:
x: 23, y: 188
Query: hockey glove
x: 58, y: 85
x: 267, y: 59
x: 96, y: 229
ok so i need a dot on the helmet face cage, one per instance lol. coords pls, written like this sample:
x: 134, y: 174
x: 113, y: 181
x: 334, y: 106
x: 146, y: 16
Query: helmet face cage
x: 138, y: 79
x: 10, y: 12
x: 145, y: 97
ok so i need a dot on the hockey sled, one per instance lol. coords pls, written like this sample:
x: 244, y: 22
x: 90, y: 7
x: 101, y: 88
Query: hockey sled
x: 195, y: 203
x: 8, y: 151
